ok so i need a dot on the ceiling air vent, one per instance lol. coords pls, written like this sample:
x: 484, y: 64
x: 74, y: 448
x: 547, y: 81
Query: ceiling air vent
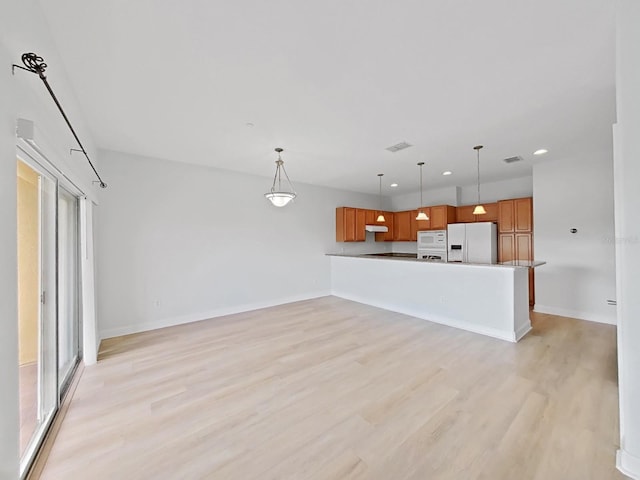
x: 398, y: 146
x: 512, y: 159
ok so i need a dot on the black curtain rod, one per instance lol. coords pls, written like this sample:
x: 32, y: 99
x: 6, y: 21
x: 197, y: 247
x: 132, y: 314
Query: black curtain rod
x: 35, y: 64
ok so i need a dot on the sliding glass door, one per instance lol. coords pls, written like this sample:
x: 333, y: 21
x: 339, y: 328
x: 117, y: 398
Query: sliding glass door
x: 48, y: 300
x: 37, y: 348
x: 68, y: 291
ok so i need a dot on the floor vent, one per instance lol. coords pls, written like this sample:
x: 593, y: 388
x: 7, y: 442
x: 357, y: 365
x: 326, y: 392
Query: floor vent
x: 398, y: 146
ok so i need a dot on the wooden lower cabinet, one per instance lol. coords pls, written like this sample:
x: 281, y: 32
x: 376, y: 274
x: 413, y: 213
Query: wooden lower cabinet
x: 524, y: 248
x: 532, y: 287
x: 506, y: 247
x: 518, y: 246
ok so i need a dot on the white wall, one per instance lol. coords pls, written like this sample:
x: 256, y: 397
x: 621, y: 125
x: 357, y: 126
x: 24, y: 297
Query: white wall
x: 436, y: 196
x: 23, y: 29
x: 181, y: 242
x: 579, y: 276
x: 493, y: 191
x: 627, y: 206
x: 466, y: 195
x: 8, y: 278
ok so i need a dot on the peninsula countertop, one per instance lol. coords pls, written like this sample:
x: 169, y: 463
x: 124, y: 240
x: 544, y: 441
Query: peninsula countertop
x: 412, y: 257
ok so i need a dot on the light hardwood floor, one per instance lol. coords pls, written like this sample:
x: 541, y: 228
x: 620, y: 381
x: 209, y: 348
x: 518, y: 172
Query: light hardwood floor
x: 332, y: 389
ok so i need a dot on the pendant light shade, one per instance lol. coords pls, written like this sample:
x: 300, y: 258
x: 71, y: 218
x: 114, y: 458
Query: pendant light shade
x: 479, y: 209
x: 421, y: 214
x: 278, y: 196
x: 381, y: 216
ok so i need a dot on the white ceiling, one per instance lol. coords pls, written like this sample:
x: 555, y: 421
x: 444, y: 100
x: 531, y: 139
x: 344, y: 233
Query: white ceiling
x: 335, y: 82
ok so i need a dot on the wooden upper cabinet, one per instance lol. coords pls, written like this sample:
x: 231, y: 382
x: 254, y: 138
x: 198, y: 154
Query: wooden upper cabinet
x: 388, y: 222
x: 515, y: 215
x: 360, y: 233
x: 523, y: 208
x: 414, y: 225
x: 506, y: 220
x: 465, y: 214
x: 423, y: 224
x: 350, y: 224
x: 369, y: 217
x: 345, y: 224
x: 402, y: 226
x: 491, y: 215
x: 441, y: 216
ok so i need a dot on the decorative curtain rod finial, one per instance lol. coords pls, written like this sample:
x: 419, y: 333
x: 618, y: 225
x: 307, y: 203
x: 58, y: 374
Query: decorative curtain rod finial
x: 35, y: 64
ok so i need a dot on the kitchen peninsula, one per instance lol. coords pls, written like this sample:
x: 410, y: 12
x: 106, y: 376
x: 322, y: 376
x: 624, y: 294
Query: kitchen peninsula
x: 488, y: 299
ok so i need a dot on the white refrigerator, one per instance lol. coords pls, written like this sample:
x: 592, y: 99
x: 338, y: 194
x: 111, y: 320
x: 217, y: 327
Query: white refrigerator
x: 472, y: 242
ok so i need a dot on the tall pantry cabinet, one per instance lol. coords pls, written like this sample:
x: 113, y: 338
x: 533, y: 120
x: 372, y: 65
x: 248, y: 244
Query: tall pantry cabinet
x: 515, y: 234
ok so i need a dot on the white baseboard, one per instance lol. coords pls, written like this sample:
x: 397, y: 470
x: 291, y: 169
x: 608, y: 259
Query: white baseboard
x: 522, y: 331
x: 580, y: 315
x: 470, y: 327
x: 196, y: 317
x: 628, y: 464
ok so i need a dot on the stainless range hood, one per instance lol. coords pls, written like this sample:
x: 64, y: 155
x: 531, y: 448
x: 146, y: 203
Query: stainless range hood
x: 376, y: 228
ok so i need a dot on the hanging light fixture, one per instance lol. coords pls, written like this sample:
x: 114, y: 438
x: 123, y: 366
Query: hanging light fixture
x: 280, y: 197
x: 381, y: 216
x: 421, y: 215
x: 479, y: 210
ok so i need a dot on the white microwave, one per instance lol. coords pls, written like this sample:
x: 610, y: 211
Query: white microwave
x: 432, y: 240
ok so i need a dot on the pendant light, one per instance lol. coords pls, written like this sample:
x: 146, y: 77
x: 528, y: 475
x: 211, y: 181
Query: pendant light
x: 421, y: 215
x: 381, y: 216
x: 479, y: 210
x: 280, y: 197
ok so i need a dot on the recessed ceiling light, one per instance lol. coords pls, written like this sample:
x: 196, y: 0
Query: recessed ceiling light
x: 542, y: 151
x: 447, y: 173
x: 249, y: 124
x: 393, y: 185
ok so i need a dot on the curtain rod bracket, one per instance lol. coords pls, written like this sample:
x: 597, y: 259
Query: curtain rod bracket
x: 35, y: 64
